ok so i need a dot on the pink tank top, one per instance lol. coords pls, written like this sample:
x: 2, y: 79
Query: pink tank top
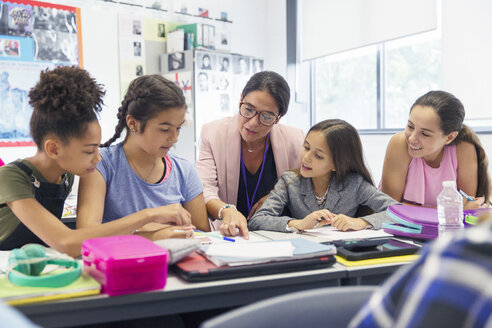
x: 424, y: 183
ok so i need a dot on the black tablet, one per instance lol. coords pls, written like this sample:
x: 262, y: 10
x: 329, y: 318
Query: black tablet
x: 362, y: 243
x: 391, y: 248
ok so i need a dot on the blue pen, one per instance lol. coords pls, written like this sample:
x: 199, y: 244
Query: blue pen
x: 466, y: 196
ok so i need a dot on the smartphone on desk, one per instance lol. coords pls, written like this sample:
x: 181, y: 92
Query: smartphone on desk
x: 391, y: 247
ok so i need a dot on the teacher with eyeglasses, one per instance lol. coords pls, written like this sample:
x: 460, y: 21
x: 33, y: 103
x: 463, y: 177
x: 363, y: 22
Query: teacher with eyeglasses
x: 242, y: 156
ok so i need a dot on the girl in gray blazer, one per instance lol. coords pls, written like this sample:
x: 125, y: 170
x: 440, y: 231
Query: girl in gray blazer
x: 328, y: 188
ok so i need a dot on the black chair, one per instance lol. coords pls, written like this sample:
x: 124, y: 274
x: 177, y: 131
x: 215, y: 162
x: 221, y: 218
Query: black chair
x: 324, y: 307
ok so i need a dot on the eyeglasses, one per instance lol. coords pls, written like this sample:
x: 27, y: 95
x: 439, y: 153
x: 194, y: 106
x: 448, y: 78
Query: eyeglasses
x: 266, y: 118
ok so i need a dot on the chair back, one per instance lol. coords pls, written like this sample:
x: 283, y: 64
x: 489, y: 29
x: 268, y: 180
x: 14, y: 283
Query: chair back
x: 323, y: 307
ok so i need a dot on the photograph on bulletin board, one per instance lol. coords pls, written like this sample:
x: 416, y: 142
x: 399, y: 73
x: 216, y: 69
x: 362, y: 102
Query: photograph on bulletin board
x: 34, y: 36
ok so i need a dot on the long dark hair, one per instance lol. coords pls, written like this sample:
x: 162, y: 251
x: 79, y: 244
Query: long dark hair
x: 146, y: 97
x: 452, y: 114
x: 64, y: 101
x: 274, y: 84
x: 345, y: 147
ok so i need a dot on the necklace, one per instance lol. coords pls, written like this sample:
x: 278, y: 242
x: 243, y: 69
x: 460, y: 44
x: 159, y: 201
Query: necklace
x: 252, y: 150
x: 140, y: 174
x: 321, y: 200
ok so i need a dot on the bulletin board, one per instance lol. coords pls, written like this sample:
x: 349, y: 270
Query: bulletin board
x: 33, y: 36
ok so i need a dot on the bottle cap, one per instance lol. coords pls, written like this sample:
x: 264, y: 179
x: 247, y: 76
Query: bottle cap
x: 449, y: 183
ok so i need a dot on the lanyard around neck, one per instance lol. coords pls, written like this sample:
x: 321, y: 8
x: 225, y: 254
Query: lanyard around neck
x: 249, y: 202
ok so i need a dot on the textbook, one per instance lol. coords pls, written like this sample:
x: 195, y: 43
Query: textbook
x: 422, y: 222
x: 17, y: 295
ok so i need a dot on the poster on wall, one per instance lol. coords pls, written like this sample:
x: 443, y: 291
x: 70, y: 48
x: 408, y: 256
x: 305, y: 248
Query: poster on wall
x: 33, y: 36
x: 219, y: 81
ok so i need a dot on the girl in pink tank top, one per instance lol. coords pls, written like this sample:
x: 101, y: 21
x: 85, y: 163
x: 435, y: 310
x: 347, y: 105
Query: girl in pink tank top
x: 424, y: 182
x: 436, y: 146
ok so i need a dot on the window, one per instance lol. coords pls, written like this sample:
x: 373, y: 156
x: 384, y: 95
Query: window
x: 345, y: 87
x: 413, y: 67
x: 373, y: 87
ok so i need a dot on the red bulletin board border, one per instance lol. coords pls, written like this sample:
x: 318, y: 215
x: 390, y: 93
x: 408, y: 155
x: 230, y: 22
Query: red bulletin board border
x: 16, y: 143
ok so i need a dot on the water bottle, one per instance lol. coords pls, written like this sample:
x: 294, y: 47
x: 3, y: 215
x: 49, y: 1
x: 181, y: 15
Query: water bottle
x: 449, y: 209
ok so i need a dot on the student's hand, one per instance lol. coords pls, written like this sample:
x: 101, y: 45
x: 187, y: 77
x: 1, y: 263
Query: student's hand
x: 233, y: 222
x: 477, y: 203
x: 172, y: 214
x: 257, y: 205
x: 345, y: 223
x: 171, y: 232
x: 315, y: 219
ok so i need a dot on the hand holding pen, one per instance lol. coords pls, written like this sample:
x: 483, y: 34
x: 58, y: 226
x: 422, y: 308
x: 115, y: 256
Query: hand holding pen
x: 472, y: 203
x: 313, y: 220
x: 320, y: 220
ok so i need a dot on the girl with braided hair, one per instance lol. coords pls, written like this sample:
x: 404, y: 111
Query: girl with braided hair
x: 138, y: 173
x: 33, y: 190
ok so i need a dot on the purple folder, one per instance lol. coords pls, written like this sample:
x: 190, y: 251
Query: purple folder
x: 421, y: 222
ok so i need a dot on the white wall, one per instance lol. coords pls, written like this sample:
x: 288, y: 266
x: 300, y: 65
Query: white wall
x: 467, y: 54
x: 258, y: 29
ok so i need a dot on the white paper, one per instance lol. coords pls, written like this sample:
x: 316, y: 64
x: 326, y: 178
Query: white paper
x: 175, y: 41
x: 331, y: 233
x: 252, y: 250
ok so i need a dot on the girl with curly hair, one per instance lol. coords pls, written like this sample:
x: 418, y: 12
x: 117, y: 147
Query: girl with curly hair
x: 65, y: 128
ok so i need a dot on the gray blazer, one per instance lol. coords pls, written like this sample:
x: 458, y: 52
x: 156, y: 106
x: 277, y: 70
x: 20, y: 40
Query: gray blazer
x: 296, y: 192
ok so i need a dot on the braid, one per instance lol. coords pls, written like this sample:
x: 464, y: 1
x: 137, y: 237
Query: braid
x: 121, y: 121
x: 145, y: 98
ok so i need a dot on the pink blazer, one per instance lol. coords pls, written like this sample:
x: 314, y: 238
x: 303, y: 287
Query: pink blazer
x: 219, y: 159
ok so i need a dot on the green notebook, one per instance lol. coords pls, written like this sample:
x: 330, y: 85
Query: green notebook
x: 16, y: 295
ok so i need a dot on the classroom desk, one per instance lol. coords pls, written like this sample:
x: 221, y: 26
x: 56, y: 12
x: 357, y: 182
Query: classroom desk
x: 179, y: 297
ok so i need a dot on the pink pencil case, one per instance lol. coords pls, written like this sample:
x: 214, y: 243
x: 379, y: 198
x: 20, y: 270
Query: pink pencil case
x: 125, y: 264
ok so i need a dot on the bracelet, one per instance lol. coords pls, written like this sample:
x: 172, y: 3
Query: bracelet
x: 219, y: 215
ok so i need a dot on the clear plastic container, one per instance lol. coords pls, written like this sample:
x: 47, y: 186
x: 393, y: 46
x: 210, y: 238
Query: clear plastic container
x: 449, y: 209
